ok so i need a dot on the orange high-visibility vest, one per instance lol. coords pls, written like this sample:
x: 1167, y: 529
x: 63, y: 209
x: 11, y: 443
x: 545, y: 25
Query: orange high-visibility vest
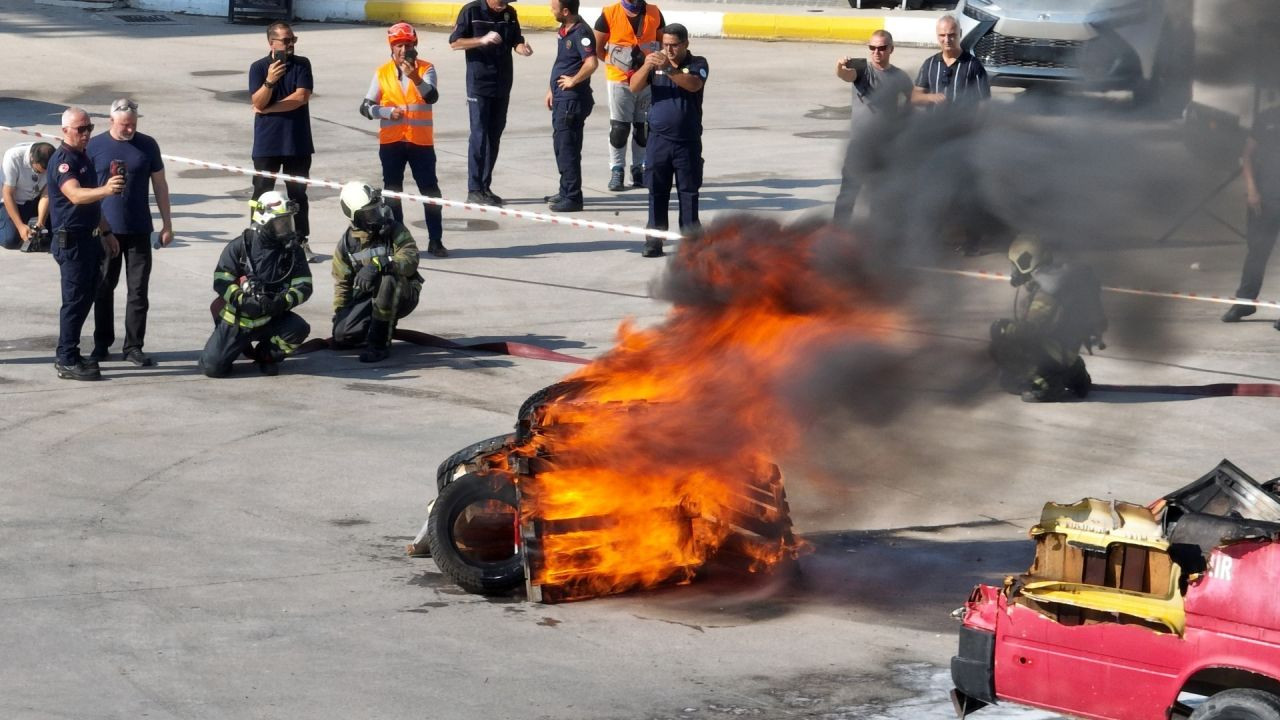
x: 416, y: 125
x: 621, y: 33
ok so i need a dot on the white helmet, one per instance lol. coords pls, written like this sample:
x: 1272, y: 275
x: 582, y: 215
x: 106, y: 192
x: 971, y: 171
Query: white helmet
x: 273, y: 215
x: 363, y: 206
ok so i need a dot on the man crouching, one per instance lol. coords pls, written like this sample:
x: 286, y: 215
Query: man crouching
x: 1058, y: 310
x: 375, y: 274
x: 261, y: 276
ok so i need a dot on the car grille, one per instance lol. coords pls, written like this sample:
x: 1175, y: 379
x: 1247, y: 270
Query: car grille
x: 996, y: 50
x: 979, y: 15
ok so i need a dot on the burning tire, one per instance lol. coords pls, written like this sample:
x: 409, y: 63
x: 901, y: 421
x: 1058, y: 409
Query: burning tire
x: 471, y: 459
x: 473, y: 535
x: 547, y: 394
x: 1239, y: 705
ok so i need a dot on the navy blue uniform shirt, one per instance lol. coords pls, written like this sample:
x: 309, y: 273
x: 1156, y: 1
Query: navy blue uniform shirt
x: 489, y: 71
x: 676, y: 113
x: 287, y: 133
x: 63, y: 215
x: 128, y: 213
x: 573, y: 48
x: 1266, y: 157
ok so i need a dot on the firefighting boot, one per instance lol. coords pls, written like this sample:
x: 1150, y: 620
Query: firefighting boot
x: 267, y: 359
x: 616, y: 183
x: 379, y: 342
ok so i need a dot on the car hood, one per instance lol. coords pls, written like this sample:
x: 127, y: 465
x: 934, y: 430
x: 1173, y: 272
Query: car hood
x: 1055, y: 10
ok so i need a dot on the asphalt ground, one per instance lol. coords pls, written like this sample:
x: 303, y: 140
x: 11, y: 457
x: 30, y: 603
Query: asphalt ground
x: 177, y: 547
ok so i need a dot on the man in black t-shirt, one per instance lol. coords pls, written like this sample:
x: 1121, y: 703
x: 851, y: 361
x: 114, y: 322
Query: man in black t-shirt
x: 675, y: 125
x: 280, y: 86
x: 1260, y: 164
x: 570, y: 100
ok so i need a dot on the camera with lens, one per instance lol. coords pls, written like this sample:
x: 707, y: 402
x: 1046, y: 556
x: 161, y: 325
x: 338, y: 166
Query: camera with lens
x: 38, y: 240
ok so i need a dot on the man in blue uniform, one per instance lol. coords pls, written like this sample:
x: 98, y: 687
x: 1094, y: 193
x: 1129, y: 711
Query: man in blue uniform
x: 487, y: 30
x: 280, y: 87
x: 675, y: 130
x: 1261, y: 166
x: 137, y: 157
x: 80, y: 239
x: 570, y: 101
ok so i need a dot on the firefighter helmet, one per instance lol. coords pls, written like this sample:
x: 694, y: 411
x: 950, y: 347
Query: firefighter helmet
x: 363, y: 206
x: 1028, y: 254
x: 401, y: 32
x: 273, y: 216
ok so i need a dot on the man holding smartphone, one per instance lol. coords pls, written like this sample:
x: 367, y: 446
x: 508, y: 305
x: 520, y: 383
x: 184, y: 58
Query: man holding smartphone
x: 401, y: 98
x: 881, y: 99
x: 280, y: 86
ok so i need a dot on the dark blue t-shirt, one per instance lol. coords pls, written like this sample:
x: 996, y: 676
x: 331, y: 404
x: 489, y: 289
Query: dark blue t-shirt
x: 128, y: 213
x: 1266, y: 157
x: 489, y: 72
x: 63, y: 215
x: 286, y: 133
x: 676, y: 113
x: 573, y: 48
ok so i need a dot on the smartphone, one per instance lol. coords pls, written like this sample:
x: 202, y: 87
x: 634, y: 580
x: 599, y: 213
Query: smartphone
x: 118, y: 168
x: 411, y: 54
x: 279, y: 55
x: 858, y: 64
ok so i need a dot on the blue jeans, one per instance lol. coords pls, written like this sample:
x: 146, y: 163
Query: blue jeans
x: 9, y: 237
x: 422, y: 163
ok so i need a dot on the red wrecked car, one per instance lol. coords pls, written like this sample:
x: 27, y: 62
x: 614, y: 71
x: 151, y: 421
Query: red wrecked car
x: 1137, y: 613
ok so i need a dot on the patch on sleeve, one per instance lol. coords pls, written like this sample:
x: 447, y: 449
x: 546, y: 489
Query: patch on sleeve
x: 586, y: 42
x: 703, y: 73
x: 63, y: 167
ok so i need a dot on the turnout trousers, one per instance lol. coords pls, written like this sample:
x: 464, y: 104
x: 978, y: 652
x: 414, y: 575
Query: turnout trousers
x: 353, y: 323
x: 80, y: 264
x: 488, y: 120
x: 135, y: 256
x: 277, y: 339
x: 421, y: 160
x: 665, y: 159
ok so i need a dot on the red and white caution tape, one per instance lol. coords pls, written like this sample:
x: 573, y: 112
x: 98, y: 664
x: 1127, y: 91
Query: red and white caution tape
x: 470, y: 207
x: 985, y: 275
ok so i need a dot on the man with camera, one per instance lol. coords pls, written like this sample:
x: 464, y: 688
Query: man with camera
x: 125, y: 152
x: 400, y: 98
x: 375, y: 274
x: 81, y: 238
x: 625, y: 33
x: 881, y: 99
x: 261, y: 276
x: 25, y: 198
x: 488, y: 30
x: 677, y: 77
x: 280, y: 86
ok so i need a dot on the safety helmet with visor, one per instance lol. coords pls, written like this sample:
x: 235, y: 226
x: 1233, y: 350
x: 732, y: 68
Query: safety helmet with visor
x: 363, y: 206
x: 1028, y: 254
x: 273, y: 216
x: 401, y: 32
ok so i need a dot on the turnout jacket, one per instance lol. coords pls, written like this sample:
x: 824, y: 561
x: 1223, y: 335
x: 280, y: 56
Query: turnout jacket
x: 1062, y: 304
x: 393, y: 244
x: 249, y: 266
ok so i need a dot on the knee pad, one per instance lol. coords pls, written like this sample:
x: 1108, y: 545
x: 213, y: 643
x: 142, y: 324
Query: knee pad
x: 618, y: 132
x: 642, y: 134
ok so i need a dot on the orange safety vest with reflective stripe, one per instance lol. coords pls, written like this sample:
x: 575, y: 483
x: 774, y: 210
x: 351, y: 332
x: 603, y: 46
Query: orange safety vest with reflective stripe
x: 622, y: 34
x: 416, y: 125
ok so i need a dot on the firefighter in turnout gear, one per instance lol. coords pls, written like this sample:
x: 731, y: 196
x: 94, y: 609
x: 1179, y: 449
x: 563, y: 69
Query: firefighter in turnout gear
x: 261, y: 276
x: 1057, y: 310
x: 375, y: 274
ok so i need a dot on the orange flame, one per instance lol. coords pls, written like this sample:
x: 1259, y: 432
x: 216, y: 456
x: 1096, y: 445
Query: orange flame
x: 666, y: 446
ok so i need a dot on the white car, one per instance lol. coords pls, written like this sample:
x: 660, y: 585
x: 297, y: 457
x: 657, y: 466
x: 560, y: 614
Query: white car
x: 1145, y: 46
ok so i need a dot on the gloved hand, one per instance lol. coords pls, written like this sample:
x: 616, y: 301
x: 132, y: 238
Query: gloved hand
x: 385, y: 265
x: 274, y: 305
x: 250, y: 306
x: 366, y: 280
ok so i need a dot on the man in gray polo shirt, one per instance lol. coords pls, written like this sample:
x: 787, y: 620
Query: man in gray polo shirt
x: 24, y: 191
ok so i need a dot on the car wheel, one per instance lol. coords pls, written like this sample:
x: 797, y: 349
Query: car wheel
x: 1239, y: 705
x: 468, y: 458
x: 472, y: 533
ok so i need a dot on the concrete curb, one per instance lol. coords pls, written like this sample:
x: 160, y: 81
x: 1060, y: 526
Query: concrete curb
x: 811, y: 27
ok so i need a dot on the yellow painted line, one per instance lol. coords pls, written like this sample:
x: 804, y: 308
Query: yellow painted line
x: 445, y: 14
x: 761, y: 26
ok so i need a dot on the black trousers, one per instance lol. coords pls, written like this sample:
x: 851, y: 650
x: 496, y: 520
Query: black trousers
x: 278, y: 338
x: 80, y: 264
x: 299, y: 165
x: 135, y: 256
x: 664, y: 159
x: 567, y: 120
x: 488, y: 120
x: 351, y: 323
x: 421, y: 160
x: 1260, y: 233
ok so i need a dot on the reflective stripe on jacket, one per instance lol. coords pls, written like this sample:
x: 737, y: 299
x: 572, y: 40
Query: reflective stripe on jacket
x: 416, y: 125
x: 622, y: 34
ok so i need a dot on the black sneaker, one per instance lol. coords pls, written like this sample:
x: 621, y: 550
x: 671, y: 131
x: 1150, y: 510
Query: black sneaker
x: 549, y: 199
x: 494, y: 199
x: 78, y: 371
x: 99, y: 354
x: 1236, y: 312
x: 566, y: 205
x: 477, y: 198
x: 139, y: 358
x: 375, y: 354
x: 637, y: 175
x: 615, y: 180
x: 652, y: 247
x: 437, y: 248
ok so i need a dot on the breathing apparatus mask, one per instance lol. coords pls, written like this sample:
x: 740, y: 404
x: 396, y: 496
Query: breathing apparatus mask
x: 364, y: 207
x: 273, y: 217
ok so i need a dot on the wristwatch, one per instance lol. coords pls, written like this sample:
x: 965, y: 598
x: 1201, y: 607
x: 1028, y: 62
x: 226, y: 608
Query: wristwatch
x: 268, y: 84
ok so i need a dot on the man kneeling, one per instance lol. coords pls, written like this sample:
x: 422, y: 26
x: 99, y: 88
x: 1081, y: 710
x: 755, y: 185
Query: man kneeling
x: 375, y: 274
x: 261, y: 276
x: 1038, y: 351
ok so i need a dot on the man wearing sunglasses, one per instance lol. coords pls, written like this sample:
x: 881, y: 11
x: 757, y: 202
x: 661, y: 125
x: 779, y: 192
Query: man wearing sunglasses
x: 881, y: 99
x: 81, y: 238
x: 280, y: 85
